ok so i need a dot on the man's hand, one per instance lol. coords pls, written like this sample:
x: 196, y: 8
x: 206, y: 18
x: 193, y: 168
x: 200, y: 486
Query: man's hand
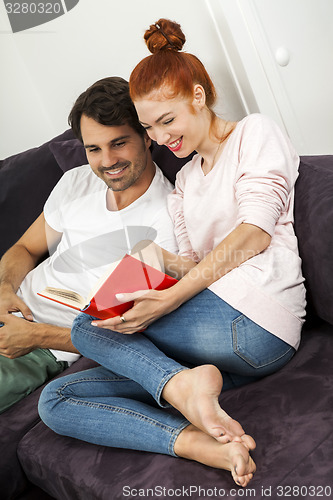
x: 10, y: 302
x: 16, y: 336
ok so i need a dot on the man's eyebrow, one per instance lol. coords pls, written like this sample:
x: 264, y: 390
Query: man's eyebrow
x: 117, y: 139
x: 160, y: 118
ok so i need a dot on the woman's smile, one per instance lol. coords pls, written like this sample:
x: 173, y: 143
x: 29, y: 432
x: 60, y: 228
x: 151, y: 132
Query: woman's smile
x: 176, y: 145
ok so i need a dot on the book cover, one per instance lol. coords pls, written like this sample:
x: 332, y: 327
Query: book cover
x: 128, y: 275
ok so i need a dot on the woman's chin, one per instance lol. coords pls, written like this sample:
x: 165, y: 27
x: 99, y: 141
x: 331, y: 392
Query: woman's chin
x: 181, y: 153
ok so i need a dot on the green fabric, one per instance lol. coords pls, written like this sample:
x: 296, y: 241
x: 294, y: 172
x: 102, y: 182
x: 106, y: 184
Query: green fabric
x: 21, y: 376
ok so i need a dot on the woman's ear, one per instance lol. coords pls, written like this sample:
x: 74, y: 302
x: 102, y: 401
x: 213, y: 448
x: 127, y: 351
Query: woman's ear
x: 199, y: 96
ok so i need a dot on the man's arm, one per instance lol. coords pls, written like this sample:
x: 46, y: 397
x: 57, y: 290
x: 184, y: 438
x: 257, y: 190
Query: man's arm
x: 22, y: 258
x: 19, y: 336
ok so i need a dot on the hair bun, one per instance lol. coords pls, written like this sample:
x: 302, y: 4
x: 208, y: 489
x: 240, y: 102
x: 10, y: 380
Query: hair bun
x: 164, y: 35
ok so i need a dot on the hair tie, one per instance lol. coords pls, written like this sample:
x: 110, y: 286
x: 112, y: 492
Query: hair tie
x: 165, y: 36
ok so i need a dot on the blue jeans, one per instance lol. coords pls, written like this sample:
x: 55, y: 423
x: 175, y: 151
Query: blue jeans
x: 119, y: 403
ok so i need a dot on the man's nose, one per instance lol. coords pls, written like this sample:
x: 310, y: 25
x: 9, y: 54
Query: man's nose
x: 109, y: 158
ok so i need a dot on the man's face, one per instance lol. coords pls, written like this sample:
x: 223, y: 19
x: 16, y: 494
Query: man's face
x: 118, y: 155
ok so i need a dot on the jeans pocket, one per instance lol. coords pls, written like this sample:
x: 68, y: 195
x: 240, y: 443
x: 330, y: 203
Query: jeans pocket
x: 258, y: 347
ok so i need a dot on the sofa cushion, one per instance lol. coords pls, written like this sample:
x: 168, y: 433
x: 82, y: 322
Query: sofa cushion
x: 14, y: 423
x: 313, y: 227
x: 302, y: 391
x: 69, y: 154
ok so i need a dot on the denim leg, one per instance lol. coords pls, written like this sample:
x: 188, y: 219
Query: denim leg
x: 103, y: 408
x: 132, y: 356
x: 203, y: 330
x: 208, y: 330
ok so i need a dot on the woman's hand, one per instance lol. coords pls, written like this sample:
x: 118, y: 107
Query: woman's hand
x: 149, y: 305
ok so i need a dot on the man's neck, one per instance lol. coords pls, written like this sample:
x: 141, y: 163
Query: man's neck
x: 118, y: 200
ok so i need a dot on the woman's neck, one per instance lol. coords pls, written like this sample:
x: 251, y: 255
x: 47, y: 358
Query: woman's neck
x: 211, y: 149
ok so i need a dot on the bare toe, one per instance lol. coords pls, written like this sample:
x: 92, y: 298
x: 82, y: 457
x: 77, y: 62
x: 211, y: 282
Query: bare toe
x: 248, y: 442
x: 244, y: 468
x: 194, y: 444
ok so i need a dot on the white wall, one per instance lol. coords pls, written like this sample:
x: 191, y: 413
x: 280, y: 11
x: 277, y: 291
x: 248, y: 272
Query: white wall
x: 295, y: 90
x: 44, y: 69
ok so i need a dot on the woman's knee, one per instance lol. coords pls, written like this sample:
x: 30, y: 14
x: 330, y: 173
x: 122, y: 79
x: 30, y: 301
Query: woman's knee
x: 49, y: 404
x: 80, y: 327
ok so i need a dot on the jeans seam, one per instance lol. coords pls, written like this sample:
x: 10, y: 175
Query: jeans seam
x: 117, y: 378
x: 112, y: 341
x: 174, y: 436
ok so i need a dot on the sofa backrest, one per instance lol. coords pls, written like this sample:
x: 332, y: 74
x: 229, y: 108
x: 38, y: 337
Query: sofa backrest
x: 314, y: 229
x: 26, y: 180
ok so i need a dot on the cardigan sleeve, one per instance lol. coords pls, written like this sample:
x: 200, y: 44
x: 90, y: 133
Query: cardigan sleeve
x: 267, y: 172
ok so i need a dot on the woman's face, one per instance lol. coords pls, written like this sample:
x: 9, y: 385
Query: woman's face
x: 174, y: 122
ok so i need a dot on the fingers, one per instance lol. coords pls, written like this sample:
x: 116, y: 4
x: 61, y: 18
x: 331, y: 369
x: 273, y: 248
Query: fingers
x: 129, y: 297
x: 15, y: 304
x: 118, y: 324
x: 110, y: 323
x: 25, y: 310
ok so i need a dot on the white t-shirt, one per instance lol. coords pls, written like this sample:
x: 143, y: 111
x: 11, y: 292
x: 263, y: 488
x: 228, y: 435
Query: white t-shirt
x: 92, y: 238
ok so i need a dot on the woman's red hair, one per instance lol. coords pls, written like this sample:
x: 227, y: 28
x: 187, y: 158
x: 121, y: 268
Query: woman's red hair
x: 177, y: 72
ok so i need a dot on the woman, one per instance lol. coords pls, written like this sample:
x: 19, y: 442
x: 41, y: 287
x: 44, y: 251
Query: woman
x: 239, y: 306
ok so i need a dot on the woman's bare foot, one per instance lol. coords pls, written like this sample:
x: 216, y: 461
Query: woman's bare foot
x: 195, y: 394
x: 194, y: 444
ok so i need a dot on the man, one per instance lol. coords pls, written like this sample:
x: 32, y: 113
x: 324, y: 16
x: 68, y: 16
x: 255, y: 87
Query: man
x: 94, y: 215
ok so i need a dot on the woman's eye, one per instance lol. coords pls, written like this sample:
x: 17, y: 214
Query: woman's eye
x: 168, y: 121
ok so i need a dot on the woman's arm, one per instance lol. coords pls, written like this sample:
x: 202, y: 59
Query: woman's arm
x: 241, y: 244
x: 172, y: 264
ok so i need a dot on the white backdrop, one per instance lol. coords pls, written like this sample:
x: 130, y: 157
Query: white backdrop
x: 44, y: 69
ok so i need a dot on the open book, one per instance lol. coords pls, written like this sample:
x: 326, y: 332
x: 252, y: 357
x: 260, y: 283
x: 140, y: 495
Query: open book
x: 128, y: 275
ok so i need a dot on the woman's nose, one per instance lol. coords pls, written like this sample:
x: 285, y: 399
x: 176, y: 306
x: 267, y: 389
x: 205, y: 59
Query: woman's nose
x: 162, y: 137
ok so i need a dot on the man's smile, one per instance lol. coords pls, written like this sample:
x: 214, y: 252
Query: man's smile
x: 115, y: 172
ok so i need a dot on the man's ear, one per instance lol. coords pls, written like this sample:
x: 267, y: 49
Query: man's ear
x: 199, y: 96
x: 147, y: 141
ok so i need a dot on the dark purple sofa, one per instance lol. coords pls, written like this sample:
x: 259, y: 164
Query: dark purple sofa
x: 290, y: 413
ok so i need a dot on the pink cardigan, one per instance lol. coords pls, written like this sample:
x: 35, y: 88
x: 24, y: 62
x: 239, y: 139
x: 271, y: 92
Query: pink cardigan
x: 252, y: 182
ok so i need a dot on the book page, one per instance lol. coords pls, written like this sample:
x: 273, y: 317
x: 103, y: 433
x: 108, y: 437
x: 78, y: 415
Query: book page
x: 66, y: 296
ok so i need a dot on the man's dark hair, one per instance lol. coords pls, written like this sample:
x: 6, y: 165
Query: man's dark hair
x: 108, y: 102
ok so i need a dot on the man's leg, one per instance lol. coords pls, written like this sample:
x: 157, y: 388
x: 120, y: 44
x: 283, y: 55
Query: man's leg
x: 21, y: 376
